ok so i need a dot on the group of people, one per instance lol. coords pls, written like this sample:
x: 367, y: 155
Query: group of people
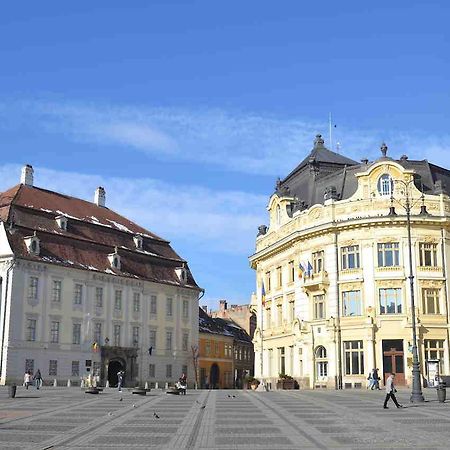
x: 29, y: 379
x: 374, y: 383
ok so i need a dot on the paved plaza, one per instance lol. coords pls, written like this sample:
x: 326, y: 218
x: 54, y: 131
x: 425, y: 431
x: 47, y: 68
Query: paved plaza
x: 67, y: 418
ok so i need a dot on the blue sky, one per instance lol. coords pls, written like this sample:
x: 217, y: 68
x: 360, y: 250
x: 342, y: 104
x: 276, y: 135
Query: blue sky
x: 188, y: 111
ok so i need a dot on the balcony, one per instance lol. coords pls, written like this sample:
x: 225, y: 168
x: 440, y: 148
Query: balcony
x: 316, y: 281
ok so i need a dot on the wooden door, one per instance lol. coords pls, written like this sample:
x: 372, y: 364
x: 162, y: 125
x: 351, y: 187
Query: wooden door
x: 393, y: 361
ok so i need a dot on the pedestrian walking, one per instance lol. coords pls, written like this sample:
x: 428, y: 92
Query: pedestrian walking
x: 27, y: 379
x: 120, y: 376
x: 370, y: 379
x: 390, y: 392
x: 375, y: 380
x: 38, y: 379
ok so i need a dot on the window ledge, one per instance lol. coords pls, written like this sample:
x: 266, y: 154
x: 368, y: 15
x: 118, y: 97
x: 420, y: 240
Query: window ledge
x: 389, y: 268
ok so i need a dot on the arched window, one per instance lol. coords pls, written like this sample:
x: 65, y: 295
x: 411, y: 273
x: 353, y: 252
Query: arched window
x: 385, y: 185
x: 321, y: 363
x: 321, y: 352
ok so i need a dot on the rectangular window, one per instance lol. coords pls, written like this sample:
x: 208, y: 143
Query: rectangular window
x: 76, y: 333
x: 33, y: 288
x: 31, y: 330
x: 354, y: 357
x: 292, y: 310
x: 268, y: 286
x: 53, y: 367
x: 388, y: 254
x: 56, y: 291
x: 279, y: 315
x: 216, y: 348
x: 117, y: 335
x: 279, y: 277
x: 434, y: 349
x: 318, y: 262
x: 75, y: 368
x: 350, y: 257
x: 391, y: 301
x: 169, y: 371
x: 169, y: 307
x: 153, y: 309
x: 54, y: 332
x: 185, y: 343
x: 185, y: 309
x: 431, y: 301
x: 97, y: 332
x: 351, y: 301
x: 207, y: 348
x: 99, y: 297
x: 291, y: 271
x: 428, y: 254
x: 152, y: 338
x: 319, y: 306
x: 135, y: 336
x: 268, y: 323
x: 29, y: 365
x: 168, y: 340
x: 281, y: 361
x: 151, y: 371
x: 136, y: 302
x: 77, y: 294
x: 118, y: 300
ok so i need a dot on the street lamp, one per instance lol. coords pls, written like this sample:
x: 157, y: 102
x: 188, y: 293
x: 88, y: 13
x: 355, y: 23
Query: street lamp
x: 416, y: 393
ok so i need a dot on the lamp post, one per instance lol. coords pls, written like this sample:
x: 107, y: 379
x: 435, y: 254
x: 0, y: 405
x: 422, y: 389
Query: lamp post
x: 416, y: 393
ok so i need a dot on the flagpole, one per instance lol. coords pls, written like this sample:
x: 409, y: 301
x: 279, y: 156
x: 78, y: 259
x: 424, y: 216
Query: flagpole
x: 262, y: 341
x: 331, y: 138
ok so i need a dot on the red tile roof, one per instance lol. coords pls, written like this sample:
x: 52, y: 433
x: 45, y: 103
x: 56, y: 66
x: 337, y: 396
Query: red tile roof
x: 92, y: 234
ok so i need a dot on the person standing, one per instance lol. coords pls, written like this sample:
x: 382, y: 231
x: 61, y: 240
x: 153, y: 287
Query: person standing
x: 120, y: 375
x: 390, y: 392
x: 38, y: 379
x: 27, y: 379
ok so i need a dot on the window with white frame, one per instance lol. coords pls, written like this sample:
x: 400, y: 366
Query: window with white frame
x: 118, y: 300
x: 185, y: 342
x: 53, y: 367
x: 56, y: 291
x: 354, y: 357
x: 279, y: 277
x: 185, y: 309
x: 321, y: 363
x: 350, y: 257
x: 153, y: 305
x: 31, y: 329
x: 291, y: 271
x: 54, y: 332
x: 33, y: 288
x: 75, y: 368
x: 77, y: 294
x: 292, y: 310
x: 152, y: 338
x: 318, y: 262
x: 385, y: 185
x: 168, y: 340
x: 268, y: 285
x: 117, y: 335
x: 351, y: 301
x: 169, y: 307
x: 431, y: 301
x: 428, y: 254
x: 434, y: 349
x: 281, y: 360
x: 99, y: 297
x: 136, y: 302
x: 390, y: 301
x: 76, y: 333
x: 319, y: 306
x: 388, y: 254
x: 135, y: 337
x: 279, y: 315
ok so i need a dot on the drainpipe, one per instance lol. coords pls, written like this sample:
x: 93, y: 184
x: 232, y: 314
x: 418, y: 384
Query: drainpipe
x: 5, y: 307
x: 338, y: 317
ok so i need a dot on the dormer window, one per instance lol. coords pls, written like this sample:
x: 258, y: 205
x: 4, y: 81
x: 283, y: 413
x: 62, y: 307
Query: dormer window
x: 33, y: 244
x: 181, y: 274
x: 114, y: 260
x: 385, y: 185
x: 62, y: 222
x: 138, y: 241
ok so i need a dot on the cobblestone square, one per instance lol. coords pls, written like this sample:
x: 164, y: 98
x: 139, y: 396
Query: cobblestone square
x: 67, y: 418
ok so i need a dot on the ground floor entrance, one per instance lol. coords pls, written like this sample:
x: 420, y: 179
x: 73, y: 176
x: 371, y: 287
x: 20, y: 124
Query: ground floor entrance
x: 393, y: 360
x: 114, y: 367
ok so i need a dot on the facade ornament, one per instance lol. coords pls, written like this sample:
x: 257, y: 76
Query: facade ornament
x: 384, y: 149
x: 262, y: 230
x: 319, y: 141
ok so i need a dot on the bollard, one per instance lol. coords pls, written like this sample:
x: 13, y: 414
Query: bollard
x: 55, y: 384
x: 156, y: 385
x: 107, y: 384
x: 167, y: 386
x: 146, y: 385
x: 82, y: 383
x: 69, y: 383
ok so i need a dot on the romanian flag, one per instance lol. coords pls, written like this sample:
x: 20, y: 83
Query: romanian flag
x: 301, y: 270
x: 263, y: 295
x: 309, y: 270
x: 95, y: 347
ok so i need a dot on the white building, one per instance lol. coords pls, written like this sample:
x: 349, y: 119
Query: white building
x: 86, y: 291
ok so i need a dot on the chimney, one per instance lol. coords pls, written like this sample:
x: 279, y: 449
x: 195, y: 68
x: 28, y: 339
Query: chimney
x: 26, y: 177
x: 100, y: 197
x: 223, y: 305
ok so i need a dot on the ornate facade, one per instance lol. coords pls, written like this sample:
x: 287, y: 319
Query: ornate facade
x: 334, y: 263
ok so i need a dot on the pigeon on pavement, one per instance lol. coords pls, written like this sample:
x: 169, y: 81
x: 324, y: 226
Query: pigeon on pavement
x: 155, y: 415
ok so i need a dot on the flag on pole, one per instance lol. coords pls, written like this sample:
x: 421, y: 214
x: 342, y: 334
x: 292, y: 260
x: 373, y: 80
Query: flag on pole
x: 263, y: 295
x: 301, y: 270
x: 309, y: 270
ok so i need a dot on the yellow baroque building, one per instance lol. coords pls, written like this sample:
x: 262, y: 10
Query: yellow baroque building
x: 335, y: 267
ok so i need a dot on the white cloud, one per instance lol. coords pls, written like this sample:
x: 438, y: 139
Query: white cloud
x: 221, y: 221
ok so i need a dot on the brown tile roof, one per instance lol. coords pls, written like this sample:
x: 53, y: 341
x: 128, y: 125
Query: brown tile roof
x: 92, y: 234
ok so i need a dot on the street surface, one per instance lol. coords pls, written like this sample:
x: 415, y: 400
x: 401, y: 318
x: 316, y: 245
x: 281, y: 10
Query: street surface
x: 67, y: 418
